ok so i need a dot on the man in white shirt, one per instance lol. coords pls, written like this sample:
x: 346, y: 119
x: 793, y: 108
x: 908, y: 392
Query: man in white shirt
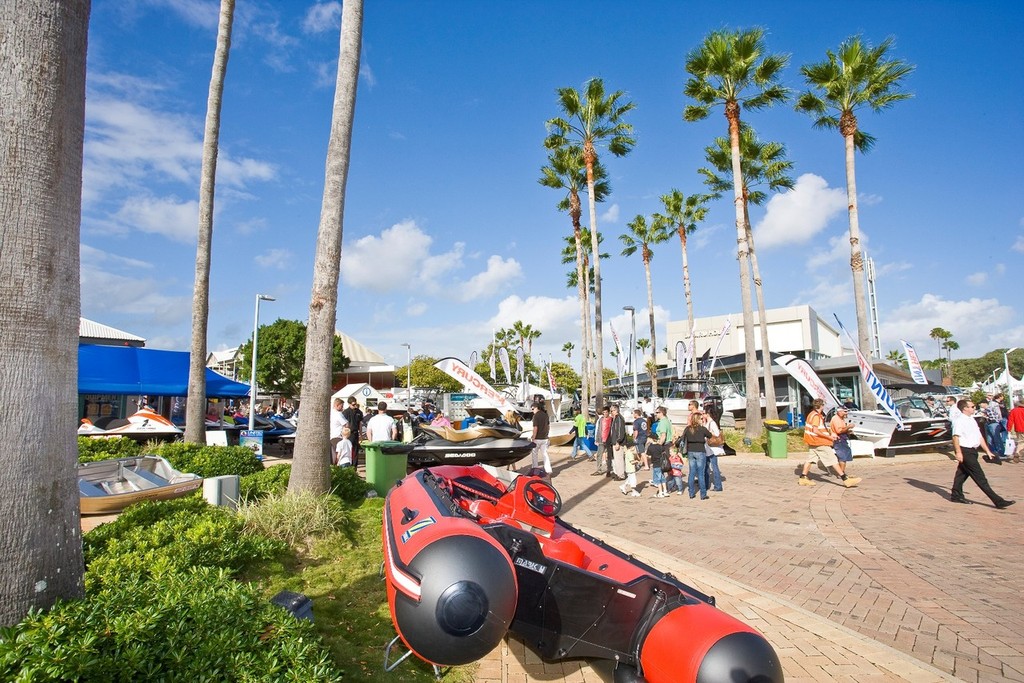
x: 337, y: 422
x: 382, y: 427
x: 966, y: 442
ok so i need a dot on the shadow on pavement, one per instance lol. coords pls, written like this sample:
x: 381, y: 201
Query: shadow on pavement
x: 929, y: 487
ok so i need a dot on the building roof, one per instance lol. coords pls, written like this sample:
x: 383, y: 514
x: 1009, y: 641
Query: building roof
x: 93, y: 332
x: 357, y: 353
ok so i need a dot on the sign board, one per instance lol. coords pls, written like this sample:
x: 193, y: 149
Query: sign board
x: 252, y: 440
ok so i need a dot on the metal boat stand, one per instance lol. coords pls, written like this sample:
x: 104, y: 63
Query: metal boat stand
x: 390, y: 666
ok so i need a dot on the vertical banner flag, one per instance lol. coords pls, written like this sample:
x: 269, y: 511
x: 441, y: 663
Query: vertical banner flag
x: 474, y: 382
x: 629, y: 356
x: 618, y: 349
x: 914, y: 363
x: 503, y: 357
x: 691, y: 352
x: 551, y: 378
x: 704, y: 364
x: 680, y: 359
x: 521, y: 362
x: 491, y: 361
x: 473, y: 360
x: 718, y: 346
x: 874, y: 384
x: 803, y: 373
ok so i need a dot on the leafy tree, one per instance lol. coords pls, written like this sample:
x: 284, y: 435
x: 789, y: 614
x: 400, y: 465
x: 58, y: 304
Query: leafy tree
x: 567, y: 171
x: 312, y: 441
x: 591, y: 120
x: 853, y: 77
x: 195, y: 421
x: 424, y: 374
x: 762, y: 164
x: 42, y: 87
x: 526, y: 335
x: 897, y: 357
x: 282, y: 353
x: 685, y: 213
x: 588, y: 270
x: 722, y: 69
x: 941, y: 336
x: 643, y: 345
x: 566, y: 378
x: 640, y: 238
x: 568, y: 348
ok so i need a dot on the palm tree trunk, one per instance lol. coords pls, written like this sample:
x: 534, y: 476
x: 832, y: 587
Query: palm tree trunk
x: 584, y: 296
x: 686, y: 277
x: 771, y: 409
x: 195, y: 408
x: 857, y: 266
x: 42, y: 87
x: 312, y: 443
x: 753, y: 418
x: 589, y: 157
x: 650, y: 310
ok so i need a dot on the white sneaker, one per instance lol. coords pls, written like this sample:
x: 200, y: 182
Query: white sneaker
x: 623, y: 489
x: 634, y: 494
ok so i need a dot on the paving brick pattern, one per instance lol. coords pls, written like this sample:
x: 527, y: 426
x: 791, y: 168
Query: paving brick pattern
x: 885, y: 581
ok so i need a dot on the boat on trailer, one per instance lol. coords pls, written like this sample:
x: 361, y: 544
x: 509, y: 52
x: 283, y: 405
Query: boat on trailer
x: 109, y: 486
x: 473, y: 553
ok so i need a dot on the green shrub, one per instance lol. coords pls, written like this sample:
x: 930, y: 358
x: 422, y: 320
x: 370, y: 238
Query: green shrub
x: 198, y: 625
x: 151, y: 539
x: 348, y: 485
x: 209, y: 461
x: 93, y: 448
x: 270, y: 481
x: 295, y: 518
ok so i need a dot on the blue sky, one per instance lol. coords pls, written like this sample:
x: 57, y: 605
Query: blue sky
x: 448, y: 235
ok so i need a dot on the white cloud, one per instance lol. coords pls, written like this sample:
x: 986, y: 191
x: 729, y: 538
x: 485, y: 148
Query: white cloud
x: 168, y: 216
x: 978, y: 325
x: 610, y: 215
x: 322, y: 17
x: 838, y: 252
x: 893, y: 268
x: 868, y: 199
x: 94, y: 257
x: 416, y: 308
x: 794, y: 217
x: 977, y: 279
x: 1018, y: 244
x: 280, y: 259
x: 499, y: 273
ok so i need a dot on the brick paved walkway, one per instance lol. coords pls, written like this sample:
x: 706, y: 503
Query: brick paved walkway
x: 885, y: 581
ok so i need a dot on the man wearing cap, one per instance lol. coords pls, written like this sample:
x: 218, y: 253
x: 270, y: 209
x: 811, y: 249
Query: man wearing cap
x: 841, y: 429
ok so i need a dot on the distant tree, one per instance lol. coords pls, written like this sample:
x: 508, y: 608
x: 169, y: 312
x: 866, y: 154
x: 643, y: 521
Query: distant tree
x: 853, y: 77
x: 424, y: 374
x: 643, y: 345
x: 897, y: 357
x: 568, y: 347
x: 281, y: 359
x: 588, y: 269
x: 640, y: 238
x: 940, y: 336
x: 591, y: 120
x: 684, y: 214
x: 195, y: 410
x: 733, y: 68
x: 567, y: 379
x: 42, y: 87
x: 312, y: 442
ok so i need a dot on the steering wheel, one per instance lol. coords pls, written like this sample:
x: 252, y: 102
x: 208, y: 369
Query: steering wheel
x: 542, y: 498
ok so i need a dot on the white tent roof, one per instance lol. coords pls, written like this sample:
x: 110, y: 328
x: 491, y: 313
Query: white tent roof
x: 359, y: 355
x: 362, y: 391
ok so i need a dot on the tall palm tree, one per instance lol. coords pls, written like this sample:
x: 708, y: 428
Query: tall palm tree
x: 42, y: 87
x: 195, y: 408
x: 568, y: 347
x: 567, y: 171
x: 941, y: 336
x: 685, y: 213
x: 312, y: 442
x: 762, y: 163
x: 854, y: 77
x: 592, y: 120
x: 897, y: 357
x: 641, y: 237
x: 722, y: 69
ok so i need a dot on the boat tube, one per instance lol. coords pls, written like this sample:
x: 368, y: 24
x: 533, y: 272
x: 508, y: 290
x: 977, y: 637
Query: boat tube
x: 472, y: 553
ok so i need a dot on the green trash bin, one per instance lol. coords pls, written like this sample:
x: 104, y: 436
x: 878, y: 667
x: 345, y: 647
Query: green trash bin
x: 386, y: 463
x: 777, y: 429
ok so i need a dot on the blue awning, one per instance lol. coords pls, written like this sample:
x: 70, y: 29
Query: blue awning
x: 133, y: 371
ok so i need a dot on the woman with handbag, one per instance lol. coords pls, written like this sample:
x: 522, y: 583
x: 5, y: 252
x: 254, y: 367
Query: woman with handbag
x: 695, y: 438
x: 713, y: 448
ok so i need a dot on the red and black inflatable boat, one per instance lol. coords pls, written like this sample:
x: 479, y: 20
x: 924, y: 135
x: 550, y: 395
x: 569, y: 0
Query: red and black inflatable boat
x: 471, y: 553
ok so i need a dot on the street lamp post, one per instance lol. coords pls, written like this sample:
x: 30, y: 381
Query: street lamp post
x: 252, y: 379
x: 632, y: 353
x: 408, y: 375
x: 1006, y: 366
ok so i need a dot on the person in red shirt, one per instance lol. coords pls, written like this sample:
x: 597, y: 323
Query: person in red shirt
x: 1015, y: 427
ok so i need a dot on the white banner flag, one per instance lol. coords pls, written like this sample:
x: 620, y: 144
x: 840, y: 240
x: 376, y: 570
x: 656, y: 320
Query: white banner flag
x: 619, y: 356
x: 521, y: 363
x: 914, y: 363
x: 803, y: 373
x: 474, y: 383
x: 680, y: 359
x: 874, y: 384
x: 505, y: 365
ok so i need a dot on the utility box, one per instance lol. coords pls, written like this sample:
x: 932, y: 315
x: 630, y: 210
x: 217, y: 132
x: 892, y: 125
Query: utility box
x: 222, y: 491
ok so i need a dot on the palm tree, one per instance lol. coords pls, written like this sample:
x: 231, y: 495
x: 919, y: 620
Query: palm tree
x: 855, y: 76
x: 725, y: 65
x: 593, y: 120
x: 195, y: 409
x: 567, y: 171
x: 42, y: 86
x: 684, y: 213
x: 950, y: 345
x: 941, y: 336
x: 525, y: 333
x: 640, y: 238
x: 568, y: 347
x: 762, y: 163
x: 309, y: 464
x: 643, y: 345
x: 897, y: 357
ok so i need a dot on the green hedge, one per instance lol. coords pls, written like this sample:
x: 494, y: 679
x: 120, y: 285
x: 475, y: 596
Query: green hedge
x: 345, y: 483
x: 206, y: 461
x: 91, y: 449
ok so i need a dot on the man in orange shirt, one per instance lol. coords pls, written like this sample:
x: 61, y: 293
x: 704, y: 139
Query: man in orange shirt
x: 820, y: 439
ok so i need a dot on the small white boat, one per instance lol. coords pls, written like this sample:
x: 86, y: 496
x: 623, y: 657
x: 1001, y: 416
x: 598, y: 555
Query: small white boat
x: 109, y: 486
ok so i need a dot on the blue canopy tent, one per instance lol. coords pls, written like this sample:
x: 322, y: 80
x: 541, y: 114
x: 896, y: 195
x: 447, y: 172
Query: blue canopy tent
x: 133, y: 371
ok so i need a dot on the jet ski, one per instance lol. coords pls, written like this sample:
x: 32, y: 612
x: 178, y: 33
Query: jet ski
x: 495, y: 442
x: 473, y: 553
x: 144, y: 425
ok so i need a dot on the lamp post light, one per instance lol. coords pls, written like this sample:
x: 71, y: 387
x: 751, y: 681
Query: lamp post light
x: 632, y: 353
x: 1006, y: 366
x: 408, y: 375
x: 252, y: 379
